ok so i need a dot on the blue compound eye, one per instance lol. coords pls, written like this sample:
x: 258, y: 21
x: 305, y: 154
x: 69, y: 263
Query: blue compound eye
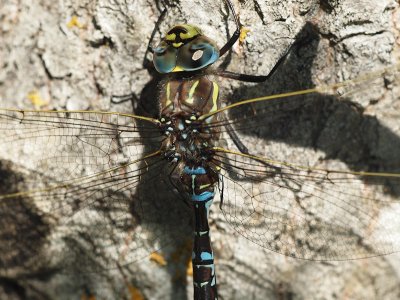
x: 164, y: 58
x: 197, y: 54
x: 160, y: 50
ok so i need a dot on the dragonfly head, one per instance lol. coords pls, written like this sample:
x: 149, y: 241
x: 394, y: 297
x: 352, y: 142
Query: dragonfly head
x: 184, y: 48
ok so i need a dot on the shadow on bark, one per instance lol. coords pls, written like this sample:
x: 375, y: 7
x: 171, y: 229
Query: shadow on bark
x: 336, y: 126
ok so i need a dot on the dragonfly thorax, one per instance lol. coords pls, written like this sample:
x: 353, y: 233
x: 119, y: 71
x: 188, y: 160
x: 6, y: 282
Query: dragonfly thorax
x: 186, y: 139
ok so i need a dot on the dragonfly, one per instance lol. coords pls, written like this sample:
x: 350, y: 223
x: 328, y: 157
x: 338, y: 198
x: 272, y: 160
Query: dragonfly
x: 111, y: 176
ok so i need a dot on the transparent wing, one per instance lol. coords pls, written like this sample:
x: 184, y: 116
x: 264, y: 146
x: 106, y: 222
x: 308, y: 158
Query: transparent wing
x: 66, y: 145
x: 284, y: 199
x: 306, y: 117
x: 88, y: 202
x: 310, y: 213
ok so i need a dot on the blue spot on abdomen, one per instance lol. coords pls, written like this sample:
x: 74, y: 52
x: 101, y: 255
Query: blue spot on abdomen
x: 206, y: 256
x: 203, y: 196
x: 196, y: 171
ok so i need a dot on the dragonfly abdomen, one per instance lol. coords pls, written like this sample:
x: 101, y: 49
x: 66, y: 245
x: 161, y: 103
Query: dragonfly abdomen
x: 202, y: 195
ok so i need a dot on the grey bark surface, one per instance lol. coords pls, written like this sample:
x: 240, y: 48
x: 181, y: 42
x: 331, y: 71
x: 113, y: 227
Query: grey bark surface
x: 80, y: 67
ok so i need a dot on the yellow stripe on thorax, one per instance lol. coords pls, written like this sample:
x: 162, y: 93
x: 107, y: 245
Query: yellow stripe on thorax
x: 190, y: 99
x: 215, y: 101
x: 168, y: 102
x: 215, y: 97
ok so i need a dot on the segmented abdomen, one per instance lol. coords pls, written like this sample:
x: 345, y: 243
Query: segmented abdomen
x: 189, y: 143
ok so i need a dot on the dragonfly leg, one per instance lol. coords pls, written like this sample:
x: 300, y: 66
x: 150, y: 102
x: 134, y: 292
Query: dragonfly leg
x: 135, y: 101
x: 255, y: 78
x: 261, y: 78
x: 235, y: 138
x: 147, y: 63
x: 235, y: 35
x: 172, y: 179
x: 118, y: 99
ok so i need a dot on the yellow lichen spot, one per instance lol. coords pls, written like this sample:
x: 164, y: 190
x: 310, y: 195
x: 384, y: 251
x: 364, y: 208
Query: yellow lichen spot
x: 74, y: 22
x: 135, y: 293
x: 189, y: 269
x: 158, y: 259
x: 180, y: 257
x: 243, y: 34
x: 85, y: 296
x: 36, y: 99
x: 181, y: 253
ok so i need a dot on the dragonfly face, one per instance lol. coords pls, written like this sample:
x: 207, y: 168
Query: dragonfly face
x: 184, y: 48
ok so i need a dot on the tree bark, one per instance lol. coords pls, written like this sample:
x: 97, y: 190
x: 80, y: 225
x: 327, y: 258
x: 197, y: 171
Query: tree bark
x: 74, y: 55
